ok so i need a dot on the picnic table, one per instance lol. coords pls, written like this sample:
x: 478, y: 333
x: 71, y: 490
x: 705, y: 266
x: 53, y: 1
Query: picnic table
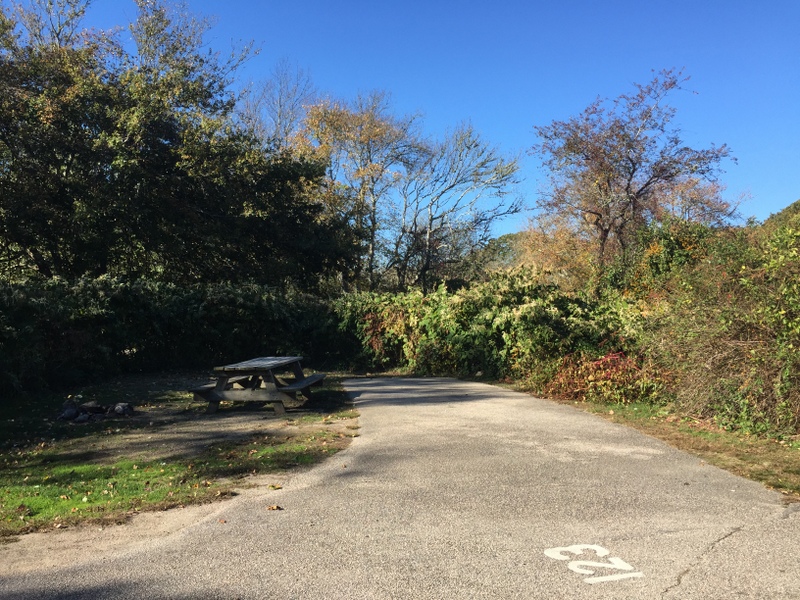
x: 258, y: 380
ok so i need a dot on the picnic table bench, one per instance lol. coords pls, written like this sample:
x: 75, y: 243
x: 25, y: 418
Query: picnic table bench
x: 258, y: 380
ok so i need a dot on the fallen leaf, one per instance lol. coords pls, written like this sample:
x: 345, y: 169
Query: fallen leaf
x: 275, y: 486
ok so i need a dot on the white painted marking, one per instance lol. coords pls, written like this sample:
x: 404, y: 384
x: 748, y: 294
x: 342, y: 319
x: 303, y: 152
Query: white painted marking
x: 586, y: 567
x: 613, y: 577
x: 577, y: 550
x: 613, y: 563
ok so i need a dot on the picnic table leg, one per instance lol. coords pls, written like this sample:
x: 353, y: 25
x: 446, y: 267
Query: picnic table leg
x: 298, y: 370
x: 213, y: 403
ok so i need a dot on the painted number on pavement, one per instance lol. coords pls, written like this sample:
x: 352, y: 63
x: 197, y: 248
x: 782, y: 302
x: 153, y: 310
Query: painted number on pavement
x: 586, y: 567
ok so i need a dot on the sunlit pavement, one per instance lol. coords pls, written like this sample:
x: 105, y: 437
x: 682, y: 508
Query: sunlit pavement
x: 464, y: 490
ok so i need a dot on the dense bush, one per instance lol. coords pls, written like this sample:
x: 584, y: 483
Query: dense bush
x: 725, y: 327
x: 707, y: 319
x: 53, y: 333
x: 508, y: 327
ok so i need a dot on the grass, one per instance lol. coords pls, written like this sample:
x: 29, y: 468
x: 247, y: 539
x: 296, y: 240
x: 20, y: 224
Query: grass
x: 45, y: 484
x: 773, y: 461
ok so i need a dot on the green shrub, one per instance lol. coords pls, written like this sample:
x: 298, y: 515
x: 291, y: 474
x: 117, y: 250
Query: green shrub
x: 508, y: 327
x: 57, y: 334
x: 726, y: 330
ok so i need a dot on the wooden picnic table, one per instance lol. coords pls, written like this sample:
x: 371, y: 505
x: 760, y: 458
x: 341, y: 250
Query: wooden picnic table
x: 259, y: 380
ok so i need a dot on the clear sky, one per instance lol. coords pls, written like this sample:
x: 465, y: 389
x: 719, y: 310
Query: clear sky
x: 511, y: 64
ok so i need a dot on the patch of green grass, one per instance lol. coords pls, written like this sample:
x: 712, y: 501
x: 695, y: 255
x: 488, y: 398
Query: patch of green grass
x: 38, y: 491
x: 43, y: 485
x: 326, y: 418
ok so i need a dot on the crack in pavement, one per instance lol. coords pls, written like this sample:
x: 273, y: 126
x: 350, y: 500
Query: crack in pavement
x: 702, y: 555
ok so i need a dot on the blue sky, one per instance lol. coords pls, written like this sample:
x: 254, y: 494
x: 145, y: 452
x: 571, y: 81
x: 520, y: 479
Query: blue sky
x: 510, y: 65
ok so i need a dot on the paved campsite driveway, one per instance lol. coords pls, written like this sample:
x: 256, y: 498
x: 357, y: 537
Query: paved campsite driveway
x: 462, y: 490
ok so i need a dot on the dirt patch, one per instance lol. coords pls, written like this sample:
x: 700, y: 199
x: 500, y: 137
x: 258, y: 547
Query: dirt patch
x: 168, y: 425
x: 36, y: 552
x: 168, y: 434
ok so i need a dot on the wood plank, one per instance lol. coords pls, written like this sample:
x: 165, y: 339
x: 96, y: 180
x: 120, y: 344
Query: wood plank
x: 264, y: 363
x: 212, y: 385
x: 303, y: 384
x: 257, y: 395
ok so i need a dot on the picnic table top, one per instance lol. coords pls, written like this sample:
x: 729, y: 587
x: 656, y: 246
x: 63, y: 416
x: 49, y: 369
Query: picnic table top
x: 265, y: 363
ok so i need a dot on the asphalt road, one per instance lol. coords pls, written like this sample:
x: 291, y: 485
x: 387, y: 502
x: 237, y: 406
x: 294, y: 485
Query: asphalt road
x: 463, y: 490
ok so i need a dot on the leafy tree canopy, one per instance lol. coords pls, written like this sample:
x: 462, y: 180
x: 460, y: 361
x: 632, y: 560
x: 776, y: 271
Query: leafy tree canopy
x: 133, y: 163
x: 620, y: 165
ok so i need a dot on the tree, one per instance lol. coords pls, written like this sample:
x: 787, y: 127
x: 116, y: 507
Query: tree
x: 442, y: 217
x: 52, y: 22
x: 696, y: 201
x: 614, y: 168
x: 212, y: 202
x: 369, y: 152
x: 423, y: 207
x: 54, y: 111
x: 133, y: 164
x: 275, y: 109
x: 560, y: 253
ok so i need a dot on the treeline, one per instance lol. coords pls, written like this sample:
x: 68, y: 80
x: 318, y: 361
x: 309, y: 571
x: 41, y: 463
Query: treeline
x: 146, y: 159
x: 58, y: 335
x: 706, y: 320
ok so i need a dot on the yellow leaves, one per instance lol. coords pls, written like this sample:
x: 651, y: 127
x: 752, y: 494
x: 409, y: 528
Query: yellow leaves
x: 654, y: 249
x: 362, y: 139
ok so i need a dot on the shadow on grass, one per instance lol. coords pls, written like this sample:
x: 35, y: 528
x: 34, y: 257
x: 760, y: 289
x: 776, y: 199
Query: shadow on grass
x: 27, y: 420
x: 171, y: 445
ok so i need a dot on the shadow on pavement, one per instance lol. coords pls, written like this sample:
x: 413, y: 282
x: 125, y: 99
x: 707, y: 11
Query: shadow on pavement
x: 415, y: 390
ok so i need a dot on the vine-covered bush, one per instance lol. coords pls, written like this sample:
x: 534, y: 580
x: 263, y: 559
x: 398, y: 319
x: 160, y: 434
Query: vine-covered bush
x: 508, y: 327
x: 726, y: 330
x: 54, y: 333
